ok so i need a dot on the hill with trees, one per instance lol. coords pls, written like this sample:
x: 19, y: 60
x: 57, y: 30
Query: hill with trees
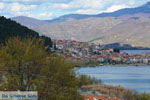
x: 9, y: 28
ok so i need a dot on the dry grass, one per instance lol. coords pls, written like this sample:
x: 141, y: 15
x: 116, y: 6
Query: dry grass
x: 108, y: 90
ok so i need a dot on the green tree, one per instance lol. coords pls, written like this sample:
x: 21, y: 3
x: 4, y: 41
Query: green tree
x: 26, y: 66
x: 87, y: 80
x: 59, y: 82
x: 117, y: 50
x: 20, y: 62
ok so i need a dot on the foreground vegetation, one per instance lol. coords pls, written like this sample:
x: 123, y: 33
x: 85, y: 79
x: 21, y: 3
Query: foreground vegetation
x: 116, y: 91
x: 26, y: 66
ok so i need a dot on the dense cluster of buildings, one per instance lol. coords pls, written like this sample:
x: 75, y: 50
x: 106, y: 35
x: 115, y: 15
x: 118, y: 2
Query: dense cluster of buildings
x: 74, y: 50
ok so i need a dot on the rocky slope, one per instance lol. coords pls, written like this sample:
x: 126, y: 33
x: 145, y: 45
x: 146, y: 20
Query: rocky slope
x: 81, y: 30
x: 132, y: 31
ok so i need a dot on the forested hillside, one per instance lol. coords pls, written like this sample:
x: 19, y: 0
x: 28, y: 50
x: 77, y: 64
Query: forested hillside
x: 9, y: 28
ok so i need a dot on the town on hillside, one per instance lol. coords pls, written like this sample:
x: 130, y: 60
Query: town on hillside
x: 82, y: 51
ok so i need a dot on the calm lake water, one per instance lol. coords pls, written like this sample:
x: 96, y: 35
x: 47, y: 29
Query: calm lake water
x: 135, y: 51
x: 131, y: 77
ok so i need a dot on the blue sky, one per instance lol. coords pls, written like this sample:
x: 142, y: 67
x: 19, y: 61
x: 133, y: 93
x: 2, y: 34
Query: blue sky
x: 49, y: 9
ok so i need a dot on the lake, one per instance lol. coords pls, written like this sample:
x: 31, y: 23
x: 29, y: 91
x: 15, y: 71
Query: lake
x: 131, y: 77
x: 135, y: 51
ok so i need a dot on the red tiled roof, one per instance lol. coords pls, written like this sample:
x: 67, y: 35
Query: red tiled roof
x: 91, y: 97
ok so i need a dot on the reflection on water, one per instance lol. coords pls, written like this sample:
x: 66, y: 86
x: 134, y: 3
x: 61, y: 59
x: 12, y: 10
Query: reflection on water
x: 131, y: 77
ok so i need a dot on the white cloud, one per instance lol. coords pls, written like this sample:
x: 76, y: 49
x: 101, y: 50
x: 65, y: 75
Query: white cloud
x: 46, y: 9
x: 62, y: 6
x: 94, y: 6
x: 45, y: 15
x: 22, y: 0
x: 2, y: 6
x: 94, y: 11
x: 131, y: 2
x: 42, y: 16
x: 36, y: 1
x: 116, y: 7
x: 81, y: 4
x: 88, y: 11
x: 16, y: 7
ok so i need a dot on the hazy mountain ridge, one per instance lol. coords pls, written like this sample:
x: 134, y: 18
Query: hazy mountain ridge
x: 82, y: 30
x: 127, y: 26
x: 133, y: 31
x: 127, y: 11
x: 142, y: 9
x: 30, y: 22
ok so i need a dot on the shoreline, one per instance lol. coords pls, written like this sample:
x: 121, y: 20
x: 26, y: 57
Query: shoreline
x: 118, y: 65
x: 112, y: 91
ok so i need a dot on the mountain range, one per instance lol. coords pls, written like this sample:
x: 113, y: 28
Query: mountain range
x: 125, y: 26
x: 142, y: 9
